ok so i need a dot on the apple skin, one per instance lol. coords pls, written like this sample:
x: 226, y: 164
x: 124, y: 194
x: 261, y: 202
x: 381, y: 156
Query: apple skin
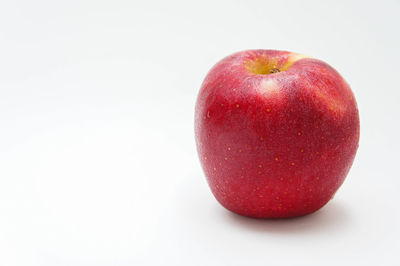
x: 275, y: 145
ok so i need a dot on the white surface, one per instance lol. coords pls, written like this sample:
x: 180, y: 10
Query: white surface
x: 97, y: 157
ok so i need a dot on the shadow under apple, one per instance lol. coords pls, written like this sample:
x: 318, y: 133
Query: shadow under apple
x: 333, y: 216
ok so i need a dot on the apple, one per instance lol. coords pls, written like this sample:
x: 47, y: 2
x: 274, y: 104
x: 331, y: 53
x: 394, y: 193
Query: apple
x: 276, y: 132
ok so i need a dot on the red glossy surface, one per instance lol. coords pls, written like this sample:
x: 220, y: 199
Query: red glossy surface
x: 277, y: 145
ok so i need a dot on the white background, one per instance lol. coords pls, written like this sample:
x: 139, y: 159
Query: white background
x: 98, y: 164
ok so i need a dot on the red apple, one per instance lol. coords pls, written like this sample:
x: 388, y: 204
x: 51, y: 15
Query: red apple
x: 276, y: 132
